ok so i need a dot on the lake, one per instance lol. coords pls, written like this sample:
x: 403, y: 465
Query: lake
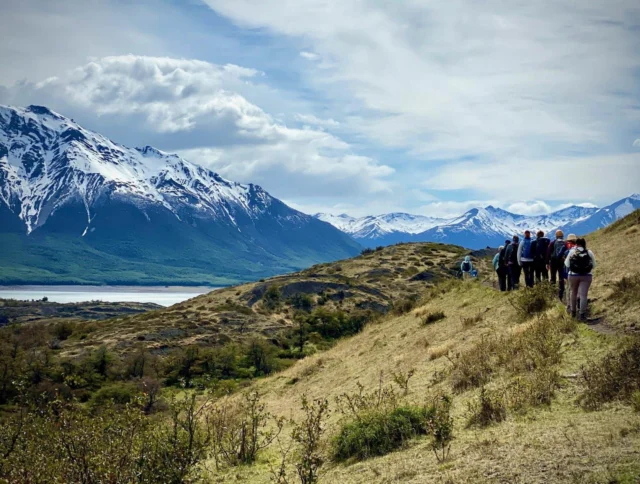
x: 164, y: 296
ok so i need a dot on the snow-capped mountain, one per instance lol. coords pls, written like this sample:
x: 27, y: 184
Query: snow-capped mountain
x: 60, y: 180
x: 375, y: 227
x: 482, y: 227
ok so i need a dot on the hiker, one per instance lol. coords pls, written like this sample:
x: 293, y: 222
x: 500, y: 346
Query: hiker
x: 496, y: 263
x: 539, y: 248
x: 466, y: 267
x: 569, y: 244
x: 555, y: 262
x: 513, y: 268
x: 525, y: 258
x: 501, y: 267
x: 580, y: 262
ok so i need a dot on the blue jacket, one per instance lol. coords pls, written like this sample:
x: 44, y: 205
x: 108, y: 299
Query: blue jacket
x: 496, y: 261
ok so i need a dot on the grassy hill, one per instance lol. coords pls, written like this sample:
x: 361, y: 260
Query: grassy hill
x: 558, y: 441
x: 534, y: 395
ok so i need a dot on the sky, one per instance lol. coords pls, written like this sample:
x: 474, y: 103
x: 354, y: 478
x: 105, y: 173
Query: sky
x: 352, y: 106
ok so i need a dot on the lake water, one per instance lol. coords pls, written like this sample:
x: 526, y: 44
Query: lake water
x: 165, y: 296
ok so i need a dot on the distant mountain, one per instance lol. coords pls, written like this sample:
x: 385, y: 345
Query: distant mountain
x: 479, y: 227
x: 382, y: 229
x: 77, y: 207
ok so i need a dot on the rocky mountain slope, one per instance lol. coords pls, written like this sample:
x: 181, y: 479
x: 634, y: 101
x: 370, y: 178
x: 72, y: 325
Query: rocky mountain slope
x: 478, y: 227
x: 77, y: 207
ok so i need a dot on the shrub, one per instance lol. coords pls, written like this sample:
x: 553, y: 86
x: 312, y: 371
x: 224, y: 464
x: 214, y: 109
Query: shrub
x: 441, y: 427
x: 489, y: 408
x: 378, y: 433
x: 433, y: 317
x: 635, y: 400
x: 533, y: 389
x: 472, y: 321
x: 355, y: 404
x: 63, y: 330
x: 272, y: 299
x: 615, y: 377
x: 307, y: 435
x: 533, y: 300
x: 405, y: 305
x: 117, y: 393
x: 239, y: 431
x: 627, y: 290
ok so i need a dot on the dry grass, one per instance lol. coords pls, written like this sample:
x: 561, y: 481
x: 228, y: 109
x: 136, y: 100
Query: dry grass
x: 546, y: 436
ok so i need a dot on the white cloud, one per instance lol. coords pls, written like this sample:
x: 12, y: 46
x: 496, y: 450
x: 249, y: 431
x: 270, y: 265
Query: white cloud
x: 197, y: 103
x: 309, y: 55
x: 636, y: 143
x: 535, y: 207
x: 448, y: 79
x: 596, y: 178
x: 312, y: 120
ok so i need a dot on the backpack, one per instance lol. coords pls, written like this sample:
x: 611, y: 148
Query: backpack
x: 558, y: 250
x: 526, y: 249
x: 466, y: 266
x: 542, y: 244
x: 501, y: 260
x: 513, y: 256
x: 580, y: 262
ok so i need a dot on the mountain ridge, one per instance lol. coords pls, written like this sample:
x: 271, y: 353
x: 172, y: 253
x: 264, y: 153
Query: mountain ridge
x: 66, y: 191
x: 480, y: 227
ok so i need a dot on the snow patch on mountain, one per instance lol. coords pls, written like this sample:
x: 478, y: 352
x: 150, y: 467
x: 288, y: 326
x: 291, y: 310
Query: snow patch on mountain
x: 380, y: 225
x: 47, y: 159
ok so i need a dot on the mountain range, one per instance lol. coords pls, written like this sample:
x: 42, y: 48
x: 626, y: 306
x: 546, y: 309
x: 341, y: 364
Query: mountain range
x: 76, y: 207
x: 478, y: 227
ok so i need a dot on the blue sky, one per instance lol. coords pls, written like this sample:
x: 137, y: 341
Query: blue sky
x: 357, y: 106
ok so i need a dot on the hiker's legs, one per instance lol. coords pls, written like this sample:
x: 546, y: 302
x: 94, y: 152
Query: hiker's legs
x: 516, y: 270
x: 542, y: 274
x: 583, y: 294
x: 509, y: 273
x: 554, y: 271
x: 574, y: 283
x: 466, y: 275
x: 527, y: 267
x: 502, y: 279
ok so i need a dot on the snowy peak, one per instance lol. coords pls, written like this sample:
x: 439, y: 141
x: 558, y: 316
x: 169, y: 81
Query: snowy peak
x: 479, y: 227
x: 377, y: 226
x: 47, y: 160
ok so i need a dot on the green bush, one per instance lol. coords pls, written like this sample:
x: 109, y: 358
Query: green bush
x: 272, y: 298
x: 533, y: 300
x: 615, y: 377
x: 63, y: 330
x: 117, y: 393
x: 378, y: 433
x: 489, y: 408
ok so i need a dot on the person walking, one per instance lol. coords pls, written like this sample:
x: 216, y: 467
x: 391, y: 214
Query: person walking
x: 569, y: 244
x: 466, y: 267
x: 555, y: 262
x: 503, y: 271
x: 525, y: 258
x: 539, y: 249
x: 580, y: 262
x: 497, y: 268
x: 513, y: 268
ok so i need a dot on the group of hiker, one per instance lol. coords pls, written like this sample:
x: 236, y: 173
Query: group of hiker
x: 565, y: 262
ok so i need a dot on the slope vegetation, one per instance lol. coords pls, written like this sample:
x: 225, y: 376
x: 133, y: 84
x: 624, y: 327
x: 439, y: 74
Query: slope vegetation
x: 531, y: 365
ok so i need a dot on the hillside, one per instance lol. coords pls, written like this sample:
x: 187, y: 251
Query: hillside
x: 558, y: 442
x: 535, y: 396
x: 376, y: 281
x: 75, y: 207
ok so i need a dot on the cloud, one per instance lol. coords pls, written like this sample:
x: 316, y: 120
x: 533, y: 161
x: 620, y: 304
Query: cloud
x: 312, y: 120
x: 596, y: 178
x: 451, y: 79
x: 535, y: 207
x: 196, y: 104
x: 309, y: 56
x: 636, y: 143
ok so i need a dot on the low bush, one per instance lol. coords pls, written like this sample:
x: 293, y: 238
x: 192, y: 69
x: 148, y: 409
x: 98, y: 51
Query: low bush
x: 533, y: 300
x: 405, y: 305
x: 472, y: 320
x: 626, y: 290
x: 433, y: 317
x: 615, y: 377
x: 487, y: 409
x: 378, y: 433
